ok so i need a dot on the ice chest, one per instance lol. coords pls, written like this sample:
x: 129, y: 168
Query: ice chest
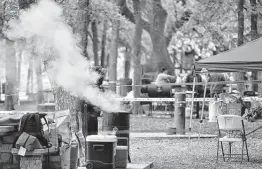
x: 234, y: 108
x: 101, y: 151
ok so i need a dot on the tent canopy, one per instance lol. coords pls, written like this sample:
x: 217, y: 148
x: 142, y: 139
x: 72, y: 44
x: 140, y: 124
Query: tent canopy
x: 247, y: 57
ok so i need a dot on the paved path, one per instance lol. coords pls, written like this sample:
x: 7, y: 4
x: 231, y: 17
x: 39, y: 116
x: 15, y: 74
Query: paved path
x: 164, y: 135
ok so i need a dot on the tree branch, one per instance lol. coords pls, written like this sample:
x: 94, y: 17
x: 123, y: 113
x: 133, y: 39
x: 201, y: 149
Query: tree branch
x: 125, y: 11
x: 185, y: 17
x: 260, y: 3
x: 59, y: 1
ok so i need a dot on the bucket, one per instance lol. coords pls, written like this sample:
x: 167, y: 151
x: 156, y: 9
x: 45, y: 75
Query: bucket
x: 121, y: 157
x: 101, y: 151
x: 188, y: 112
x: 171, y: 131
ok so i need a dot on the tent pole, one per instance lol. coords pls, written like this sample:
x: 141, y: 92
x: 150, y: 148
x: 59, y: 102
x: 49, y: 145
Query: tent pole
x: 203, y: 106
x: 192, y: 102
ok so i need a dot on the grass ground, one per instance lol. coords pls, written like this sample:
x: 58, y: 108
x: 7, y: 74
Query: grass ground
x: 185, y: 153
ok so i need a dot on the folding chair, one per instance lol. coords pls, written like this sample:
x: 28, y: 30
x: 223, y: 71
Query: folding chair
x: 233, y: 130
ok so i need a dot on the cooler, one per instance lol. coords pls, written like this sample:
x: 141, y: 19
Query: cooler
x: 101, y: 151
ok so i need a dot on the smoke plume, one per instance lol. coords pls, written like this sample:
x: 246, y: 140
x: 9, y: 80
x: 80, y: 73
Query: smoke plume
x: 44, y: 28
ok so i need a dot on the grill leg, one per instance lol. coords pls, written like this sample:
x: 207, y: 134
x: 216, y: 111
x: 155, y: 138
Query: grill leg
x: 247, y: 151
x: 222, y: 151
x: 230, y: 150
x: 129, y: 159
x: 217, y: 149
x: 242, y: 151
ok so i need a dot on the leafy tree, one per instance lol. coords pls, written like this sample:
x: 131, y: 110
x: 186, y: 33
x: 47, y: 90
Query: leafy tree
x: 103, y: 43
x: 153, y: 21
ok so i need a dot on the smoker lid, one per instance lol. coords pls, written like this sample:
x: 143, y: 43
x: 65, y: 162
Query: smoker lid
x: 122, y: 111
x: 101, y: 138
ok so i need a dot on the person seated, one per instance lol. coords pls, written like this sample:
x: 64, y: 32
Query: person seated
x: 199, y: 89
x: 163, y: 77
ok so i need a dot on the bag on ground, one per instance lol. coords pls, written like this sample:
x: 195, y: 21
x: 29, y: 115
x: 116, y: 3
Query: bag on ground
x: 31, y: 124
x: 27, y: 141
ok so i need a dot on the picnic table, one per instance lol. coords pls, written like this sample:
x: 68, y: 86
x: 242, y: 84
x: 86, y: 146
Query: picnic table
x: 4, y: 130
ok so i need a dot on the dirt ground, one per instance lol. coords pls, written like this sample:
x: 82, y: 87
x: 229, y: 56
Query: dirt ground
x: 184, y: 153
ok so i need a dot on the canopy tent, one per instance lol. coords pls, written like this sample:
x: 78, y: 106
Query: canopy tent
x: 247, y: 57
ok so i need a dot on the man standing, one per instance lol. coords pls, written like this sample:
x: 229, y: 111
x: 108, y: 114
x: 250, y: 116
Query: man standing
x: 216, y: 89
x: 199, y: 91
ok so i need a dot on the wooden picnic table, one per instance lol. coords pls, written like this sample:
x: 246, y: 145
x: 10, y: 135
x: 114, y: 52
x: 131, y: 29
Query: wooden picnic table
x: 4, y: 130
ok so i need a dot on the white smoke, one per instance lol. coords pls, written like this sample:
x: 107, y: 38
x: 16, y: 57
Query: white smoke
x: 43, y: 27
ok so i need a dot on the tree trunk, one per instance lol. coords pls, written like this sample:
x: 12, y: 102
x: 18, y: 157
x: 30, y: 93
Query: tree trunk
x: 103, y: 44
x: 112, y: 67
x: 32, y: 76
x: 29, y: 78
x: 1, y: 20
x: 240, y: 75
x: 10, y: 70
x: 95, y: 42
x: 254, y: 16
x: 241, y: 18
x: 127, y: 62
x: 38, y: 70
x: 24, y: 4
x: 254, y: 35
x: 18, y: 80
x: 160, y: 56
x: 137, y: 55
x: 80, y: 26
x: 9, y: 10
x: 156, y: 29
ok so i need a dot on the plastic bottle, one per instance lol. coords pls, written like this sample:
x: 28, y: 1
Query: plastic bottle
x: 53, y: 135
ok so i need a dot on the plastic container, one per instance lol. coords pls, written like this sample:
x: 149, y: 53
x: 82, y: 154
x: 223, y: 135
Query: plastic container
x: 121, y: 156
x: 188, y: 112
x: 53, y: 135
x: 171, y: 131
x: 101, y: 151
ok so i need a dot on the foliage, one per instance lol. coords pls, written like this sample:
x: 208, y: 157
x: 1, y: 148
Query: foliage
x: 217, y: 21
x: 103, y: 9
x: 212, y: 28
